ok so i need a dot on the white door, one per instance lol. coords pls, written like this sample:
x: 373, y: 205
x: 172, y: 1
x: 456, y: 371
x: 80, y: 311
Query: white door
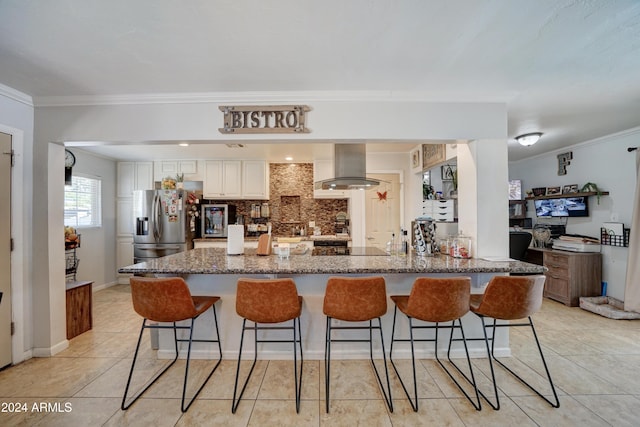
x: 5, y: 249
x: 383, y: 210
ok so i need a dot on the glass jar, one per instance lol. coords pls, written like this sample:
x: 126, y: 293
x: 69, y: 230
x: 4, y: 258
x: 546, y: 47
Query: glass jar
x: 264, y: 210
x: 461, y: 247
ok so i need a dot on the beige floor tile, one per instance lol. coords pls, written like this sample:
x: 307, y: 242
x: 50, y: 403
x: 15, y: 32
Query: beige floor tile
x: 206, y: 412
x: 283, y: 413
x: 570, y: 412
x: 52, y: 377
x: 278, y: 381
x: 82, y: 412
x: 620, y: 410
x: 431, y: 412
x: 220, y: 386
x: 509, y: 414
x: 353, y: 379
x: 148, y: 412
x: 350, y: 413
x: 427, y: 387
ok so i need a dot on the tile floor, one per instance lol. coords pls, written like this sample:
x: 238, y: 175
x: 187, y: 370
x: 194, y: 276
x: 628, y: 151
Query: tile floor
x: 594, y: 362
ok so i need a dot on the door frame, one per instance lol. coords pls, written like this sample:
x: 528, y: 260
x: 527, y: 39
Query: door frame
x: 19, y: 255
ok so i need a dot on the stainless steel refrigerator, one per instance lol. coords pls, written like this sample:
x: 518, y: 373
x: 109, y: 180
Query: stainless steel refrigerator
x: 160, y: 223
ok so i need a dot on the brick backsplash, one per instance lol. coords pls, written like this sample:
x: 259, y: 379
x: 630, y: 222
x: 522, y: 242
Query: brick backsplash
x: 291, y: 201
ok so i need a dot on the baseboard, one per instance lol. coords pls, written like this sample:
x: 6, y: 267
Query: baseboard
x: 50, y: 351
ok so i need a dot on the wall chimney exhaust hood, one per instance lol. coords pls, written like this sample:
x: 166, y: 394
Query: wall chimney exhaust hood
x: 350, y: 169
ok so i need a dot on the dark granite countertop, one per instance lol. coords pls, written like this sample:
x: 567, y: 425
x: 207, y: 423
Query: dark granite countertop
x: 216, y: 261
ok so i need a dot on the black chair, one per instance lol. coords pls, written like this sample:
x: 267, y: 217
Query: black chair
x: 519, y: 241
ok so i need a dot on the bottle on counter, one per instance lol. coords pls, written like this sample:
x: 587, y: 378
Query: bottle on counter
x: 392, y: 244
x: 404, y: 245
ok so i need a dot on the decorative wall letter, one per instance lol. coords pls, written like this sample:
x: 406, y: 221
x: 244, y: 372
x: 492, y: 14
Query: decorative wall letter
x: 563, y: 162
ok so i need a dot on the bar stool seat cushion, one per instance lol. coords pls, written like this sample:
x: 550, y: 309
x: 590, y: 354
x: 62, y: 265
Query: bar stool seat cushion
x: 255, y: 300
x: 355, y: 299
x: 436, y: 299
x: 167, y: 299
x: 509, y: 297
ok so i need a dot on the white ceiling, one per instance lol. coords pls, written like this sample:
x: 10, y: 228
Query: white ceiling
x: 568, y: 68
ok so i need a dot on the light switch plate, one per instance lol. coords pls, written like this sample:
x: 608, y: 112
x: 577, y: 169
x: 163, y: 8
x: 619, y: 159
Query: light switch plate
x: 312, y: 224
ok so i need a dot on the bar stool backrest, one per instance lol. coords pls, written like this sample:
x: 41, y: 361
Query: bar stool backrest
x: 439, y: 299
x: 512, y: 297
x: 165, y: 299
x: 267, y: 300
x: 355, y: 299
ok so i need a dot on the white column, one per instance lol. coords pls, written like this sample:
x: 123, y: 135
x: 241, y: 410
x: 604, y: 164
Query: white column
x: 483, y: 196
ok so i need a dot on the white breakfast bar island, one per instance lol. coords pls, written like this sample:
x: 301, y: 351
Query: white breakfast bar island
x: 210, y: 271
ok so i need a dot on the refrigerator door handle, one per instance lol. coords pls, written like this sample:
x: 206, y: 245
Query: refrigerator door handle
x: 157, y: 224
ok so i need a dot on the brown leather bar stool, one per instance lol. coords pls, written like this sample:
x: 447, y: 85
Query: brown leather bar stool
x: 269, y: 301
x: 168, y: 300
x: 435, y: 300
x: 511, y: 298
x: 355, y: 299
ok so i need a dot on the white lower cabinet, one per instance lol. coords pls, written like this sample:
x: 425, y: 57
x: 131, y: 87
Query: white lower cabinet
x: 442, y: 210
x: 124, y: 256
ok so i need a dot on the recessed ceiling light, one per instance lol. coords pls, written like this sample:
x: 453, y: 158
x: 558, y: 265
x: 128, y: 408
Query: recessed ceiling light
x: 184, y: 144
x: 288, y: 158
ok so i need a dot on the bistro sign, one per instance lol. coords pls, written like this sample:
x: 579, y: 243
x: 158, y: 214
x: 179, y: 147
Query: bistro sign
x: 264, y: 119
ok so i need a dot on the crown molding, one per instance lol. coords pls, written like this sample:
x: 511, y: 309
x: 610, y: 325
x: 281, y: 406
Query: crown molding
x: 265, y: 97
x: 16, y: 95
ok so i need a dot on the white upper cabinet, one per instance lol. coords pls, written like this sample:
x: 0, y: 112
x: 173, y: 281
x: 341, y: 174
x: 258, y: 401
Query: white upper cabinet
x: 171, y: 168
x: 222, y: 179
x: 255, y: 179
x: 323, y: 169
x: 134, y: 176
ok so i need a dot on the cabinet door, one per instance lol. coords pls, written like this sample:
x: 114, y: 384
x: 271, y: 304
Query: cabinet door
x: 232, y: 171
x: 124, y: 217
x: 255, y: 179
x: 144, y: 176
x: 188, y: 167
x: 213, y: 185
x: 126, y: 179
x: 222, y: 179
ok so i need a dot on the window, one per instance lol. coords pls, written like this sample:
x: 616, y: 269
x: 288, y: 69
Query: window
x: 82, y: 202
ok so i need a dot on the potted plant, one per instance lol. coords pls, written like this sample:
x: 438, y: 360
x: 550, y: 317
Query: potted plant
x: 180, y: 180
x: 590, y: 187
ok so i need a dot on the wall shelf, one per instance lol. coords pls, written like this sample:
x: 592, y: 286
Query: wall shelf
x: 561, y: 196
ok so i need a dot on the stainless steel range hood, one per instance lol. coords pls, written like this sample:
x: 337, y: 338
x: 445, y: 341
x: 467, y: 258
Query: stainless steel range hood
x: 350, y: 169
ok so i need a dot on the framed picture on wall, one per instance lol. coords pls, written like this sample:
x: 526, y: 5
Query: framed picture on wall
x: 551, y: 191
x: 416, y: 160
x: 433, y: 154
x: 569, y: 189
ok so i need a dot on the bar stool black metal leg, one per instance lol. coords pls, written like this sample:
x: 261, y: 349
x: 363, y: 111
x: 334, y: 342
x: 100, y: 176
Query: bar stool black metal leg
x: 386, y: 394
x: 477, y: 405
x: 327, y: 362
x: 124, y: 405
x: 414, y: 404
x: 186, y: 371
x: 297, y: 376
x: 235, y: 403
x: 555, y: 404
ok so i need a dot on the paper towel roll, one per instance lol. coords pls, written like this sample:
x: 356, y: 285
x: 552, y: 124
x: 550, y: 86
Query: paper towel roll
x: 235, y: 239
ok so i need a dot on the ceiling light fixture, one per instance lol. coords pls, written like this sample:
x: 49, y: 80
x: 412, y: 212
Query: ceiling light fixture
x: 529, y: 138
x: 289, y: 158
x: 184, y: 144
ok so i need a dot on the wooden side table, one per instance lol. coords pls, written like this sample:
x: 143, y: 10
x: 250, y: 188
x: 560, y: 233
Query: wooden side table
x: 79, y: 304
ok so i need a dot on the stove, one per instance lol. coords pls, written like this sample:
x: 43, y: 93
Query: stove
x: 344, y: 250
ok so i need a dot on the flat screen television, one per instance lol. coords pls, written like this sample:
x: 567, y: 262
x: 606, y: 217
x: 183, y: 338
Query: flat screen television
x: 562, y: 207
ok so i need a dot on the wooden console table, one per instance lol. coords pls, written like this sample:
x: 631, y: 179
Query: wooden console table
x: 79, y: 313
x: 570, y: 275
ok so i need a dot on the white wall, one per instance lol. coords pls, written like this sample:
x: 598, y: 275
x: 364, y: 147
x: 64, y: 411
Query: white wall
x: 607, y: 163
x: 97, y: 252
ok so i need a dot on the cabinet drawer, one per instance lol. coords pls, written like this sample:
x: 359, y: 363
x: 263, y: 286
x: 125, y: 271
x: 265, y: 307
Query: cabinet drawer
x: 557, y: 288
x: 556, y: 270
